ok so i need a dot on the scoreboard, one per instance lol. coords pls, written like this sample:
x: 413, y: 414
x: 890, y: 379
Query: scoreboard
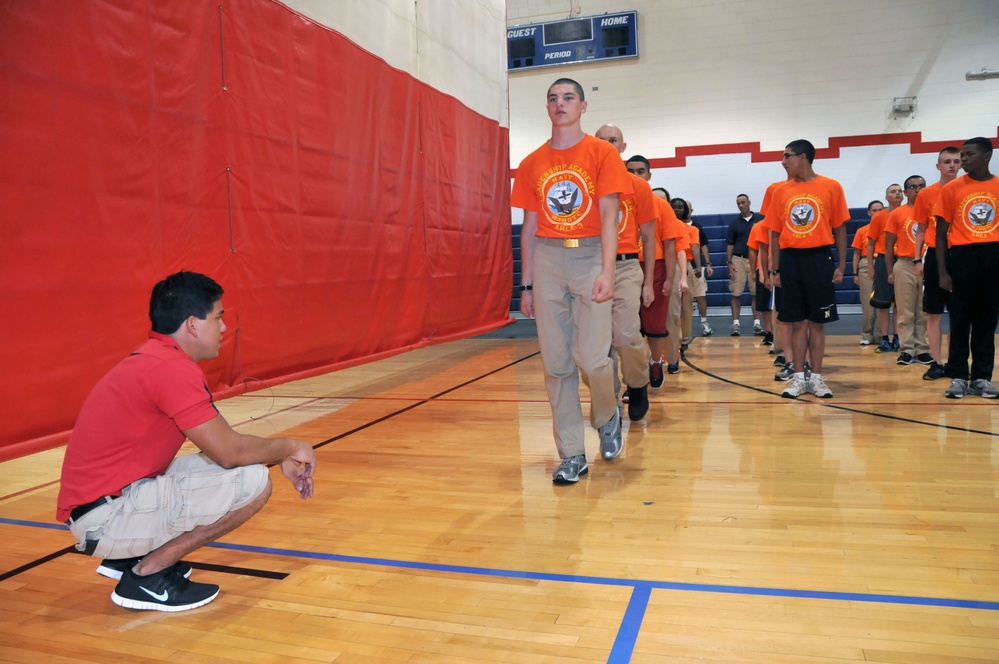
x: 585, y: 39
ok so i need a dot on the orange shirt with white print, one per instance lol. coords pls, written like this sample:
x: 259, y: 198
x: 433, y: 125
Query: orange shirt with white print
x: 805, y: 213
x: 970, y: 207
x: 924, y: 212
x: 564, y: 186
x: 635, y: 212
x: 902, y: 223
x: 876, y: 230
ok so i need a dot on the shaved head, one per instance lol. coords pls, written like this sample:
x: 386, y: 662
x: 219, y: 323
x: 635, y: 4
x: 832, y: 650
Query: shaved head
x: 612, y: 135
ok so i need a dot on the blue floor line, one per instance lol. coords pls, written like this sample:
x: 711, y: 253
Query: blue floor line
x: 631, y: 623
x: 609, y: 581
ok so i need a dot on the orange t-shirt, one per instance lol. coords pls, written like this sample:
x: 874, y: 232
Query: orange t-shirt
x: 902, y: 223
x: 876, y: 230
x: 667, y: 227
x: 969, y: 206
x: 805, y: 213
x: 760, y: 234
x: 860, y: 240
x: 635, y: 212
x: 925, y: 212
x: 564, y: 186
x: 768, y: 198
x: 693, y: 238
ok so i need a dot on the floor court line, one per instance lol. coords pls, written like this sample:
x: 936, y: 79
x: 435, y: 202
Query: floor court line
x: 834, y: 406
x: 914, y: 600
x: 634, y: 615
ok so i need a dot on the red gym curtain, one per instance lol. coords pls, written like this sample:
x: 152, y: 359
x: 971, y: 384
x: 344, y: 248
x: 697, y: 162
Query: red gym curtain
x: 349, y: 210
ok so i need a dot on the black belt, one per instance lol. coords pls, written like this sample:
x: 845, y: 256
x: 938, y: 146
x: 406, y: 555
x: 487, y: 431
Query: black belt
x: 627, y: 257
x: 79, y: 512
x: 740, y: 255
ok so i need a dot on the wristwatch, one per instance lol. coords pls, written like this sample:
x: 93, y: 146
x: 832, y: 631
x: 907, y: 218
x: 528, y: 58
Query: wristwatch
x: 774, y: 271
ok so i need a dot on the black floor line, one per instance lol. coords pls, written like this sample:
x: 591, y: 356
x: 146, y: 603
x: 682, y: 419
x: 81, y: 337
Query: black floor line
x: 422, y: 402
x: 833, y: 406
x: 225, y: 569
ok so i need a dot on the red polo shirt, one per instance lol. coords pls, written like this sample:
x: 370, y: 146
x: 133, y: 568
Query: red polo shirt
x: 133, y: 423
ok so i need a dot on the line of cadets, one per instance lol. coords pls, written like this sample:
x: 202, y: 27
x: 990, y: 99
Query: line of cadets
x: 594, y: 283
x: 937, y: 252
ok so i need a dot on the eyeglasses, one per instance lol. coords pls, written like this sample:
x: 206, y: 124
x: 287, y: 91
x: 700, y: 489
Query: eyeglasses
x: 788, y: 155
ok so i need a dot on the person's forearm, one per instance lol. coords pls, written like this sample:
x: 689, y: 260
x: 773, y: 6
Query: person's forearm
x: 942, y: 228
x: 608, y: 232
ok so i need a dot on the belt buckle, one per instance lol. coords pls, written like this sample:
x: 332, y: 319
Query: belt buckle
x: 570, y: 243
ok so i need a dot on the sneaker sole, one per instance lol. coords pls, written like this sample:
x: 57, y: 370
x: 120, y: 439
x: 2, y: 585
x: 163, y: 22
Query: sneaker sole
x: 565, y: 480
x: 954, y: 396
x: 789, y: 396
x: 141, y: 605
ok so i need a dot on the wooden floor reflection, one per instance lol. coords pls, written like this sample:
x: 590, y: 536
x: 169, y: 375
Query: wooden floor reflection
x: 737, y: 526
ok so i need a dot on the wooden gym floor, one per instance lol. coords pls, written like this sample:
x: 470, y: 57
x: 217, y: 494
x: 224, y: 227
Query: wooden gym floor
x: 737, y: 526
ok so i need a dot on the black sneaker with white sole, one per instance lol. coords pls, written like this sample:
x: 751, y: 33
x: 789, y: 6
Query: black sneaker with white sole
x: 113, y: 569
x: 166, y: 590
x: 935, y: 371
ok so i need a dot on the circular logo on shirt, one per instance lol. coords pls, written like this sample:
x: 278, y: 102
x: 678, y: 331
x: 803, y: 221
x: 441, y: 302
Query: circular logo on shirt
x: 565, y: 195
x: 803, y: 213
x: 978, y: 213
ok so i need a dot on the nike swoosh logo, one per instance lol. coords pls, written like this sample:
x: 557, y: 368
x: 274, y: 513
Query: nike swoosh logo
x: 162, y: 597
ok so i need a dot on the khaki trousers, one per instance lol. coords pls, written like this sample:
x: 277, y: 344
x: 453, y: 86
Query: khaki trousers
x: 574, y: 333
x: 869, y: 316
x: 673, y: 313
x: 626, y: 325
x: 910, y: 320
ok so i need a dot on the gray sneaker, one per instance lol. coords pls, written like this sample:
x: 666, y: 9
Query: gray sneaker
x: 570, y: 469
x: 795, y: 388
x: 818, y: 387
x: 786, y: 372
x: 958, y: 388
x: 611, y: 442
x: 983, y: 388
